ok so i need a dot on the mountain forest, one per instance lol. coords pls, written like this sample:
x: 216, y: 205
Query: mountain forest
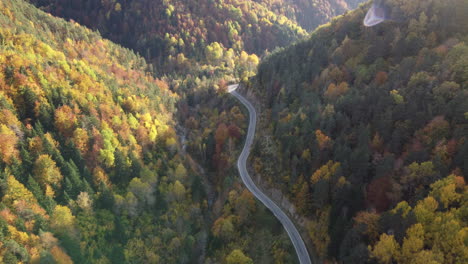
x: 120, y: 138
x: 365, y: 131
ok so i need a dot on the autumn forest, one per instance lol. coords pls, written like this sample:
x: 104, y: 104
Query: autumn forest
x: 119, y: 140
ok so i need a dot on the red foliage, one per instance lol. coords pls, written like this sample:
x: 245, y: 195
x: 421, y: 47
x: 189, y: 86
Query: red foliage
x: 234, y: 131
x: 98, y: 143
x: 381, y: 77
x: 452, y: 147
x: 377, y: 194
x: 221, y: 134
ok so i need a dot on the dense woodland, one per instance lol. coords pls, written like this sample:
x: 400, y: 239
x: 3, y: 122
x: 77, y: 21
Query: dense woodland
x: 163, y: 31
x: 366, y: 131
x: 109, y: 157
x: 178, y: 34
x: 92, y: 168
x: 310, y: 14
x: 89, y: 163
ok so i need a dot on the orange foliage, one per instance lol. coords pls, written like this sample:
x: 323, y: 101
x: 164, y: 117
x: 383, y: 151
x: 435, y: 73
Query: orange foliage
x: 23, y: 207
x: 35, y: 145
x: 142, y: 136
x: 100, y: 177
x: 60, y: 256
x: 460, y: 182
x: 323, y: 140
x: 223, y: 85
x: 162, y: 84
x: 8, y: 141
x: 336, y: 75
x: 441, y: 50
x: 9, y: 118
x: 334, y: 91
x: 436, y: 130
x: 8, y: 216
x: 65, y: 120
x: 107, y: 112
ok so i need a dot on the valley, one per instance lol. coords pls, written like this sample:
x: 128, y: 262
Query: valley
x: 123, y: 138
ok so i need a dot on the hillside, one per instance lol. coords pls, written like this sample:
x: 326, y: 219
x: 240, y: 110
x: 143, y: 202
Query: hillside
x: 92, y: 169
x: 86, y: 134
x: 159, y: 30
x: 111, y: 157
x: 365, y: 130
x: 311, y: 14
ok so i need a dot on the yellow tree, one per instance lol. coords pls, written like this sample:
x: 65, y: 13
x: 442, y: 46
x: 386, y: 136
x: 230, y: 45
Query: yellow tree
x: 238, y: 257
x: 445, y: 190
x: 318, y: 231
x: 413, y: 243
x: 180, y: 172
x: 62, y: 219
x: 386, y: 250
x: 81, y: 140
x: 179, y: 190
x: 214, y: 53
x: 325, y: 172
x: 46, y: 172
x: 16, y: 191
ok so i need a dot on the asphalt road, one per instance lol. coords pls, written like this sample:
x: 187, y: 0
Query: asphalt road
x: 294, y: 235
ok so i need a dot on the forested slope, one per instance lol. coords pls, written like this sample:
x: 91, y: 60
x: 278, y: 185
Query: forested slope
x: 161, y: 30
x: 89, y: 165
x: 313, y: 13
x: 365, y: 129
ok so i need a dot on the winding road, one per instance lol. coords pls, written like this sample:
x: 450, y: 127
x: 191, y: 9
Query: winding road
x: 294, y: 235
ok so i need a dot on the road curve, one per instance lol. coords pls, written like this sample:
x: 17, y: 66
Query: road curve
x: 296, y: 239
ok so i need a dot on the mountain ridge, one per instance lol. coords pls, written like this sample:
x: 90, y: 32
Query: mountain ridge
x: 351, y: 115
